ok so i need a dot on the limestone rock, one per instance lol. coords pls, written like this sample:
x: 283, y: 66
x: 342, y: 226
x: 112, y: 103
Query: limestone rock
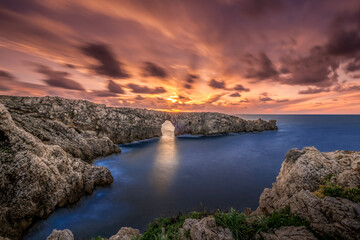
x: 301, y: 174
x: 61, y: 235
x: 35, y: 178
x: 288, y: 233
x: 125, y: 233
x: 206, y: 229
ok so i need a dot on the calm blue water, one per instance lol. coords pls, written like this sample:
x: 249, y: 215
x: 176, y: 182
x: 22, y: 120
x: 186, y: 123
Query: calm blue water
x: 162, y: 177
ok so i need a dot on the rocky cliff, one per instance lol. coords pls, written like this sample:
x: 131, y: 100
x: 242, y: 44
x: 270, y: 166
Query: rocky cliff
x: 302, y: 173
x: 36, y: 177
x: 46, y: 145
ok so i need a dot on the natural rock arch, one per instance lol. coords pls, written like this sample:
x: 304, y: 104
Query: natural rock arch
x: 167, y: 129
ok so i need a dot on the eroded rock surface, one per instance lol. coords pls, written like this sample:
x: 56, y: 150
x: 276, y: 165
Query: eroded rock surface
x: 36, y: 177
x: 205, y: 229
x: 301, y: 174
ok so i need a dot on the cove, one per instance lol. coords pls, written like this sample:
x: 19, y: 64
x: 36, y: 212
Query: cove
x: 167, y: 175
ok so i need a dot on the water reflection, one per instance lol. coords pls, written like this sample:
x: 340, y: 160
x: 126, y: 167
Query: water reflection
x: 166, y: 160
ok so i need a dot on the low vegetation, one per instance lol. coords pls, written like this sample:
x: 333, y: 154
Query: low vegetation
x: 246, y: 227
x: 168, y: 228
x: 333, y: 190
x: 242, y: 226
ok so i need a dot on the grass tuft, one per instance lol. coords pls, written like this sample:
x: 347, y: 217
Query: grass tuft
x: 246, y: 227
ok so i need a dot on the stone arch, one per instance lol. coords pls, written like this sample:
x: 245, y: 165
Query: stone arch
x: 167, y: 129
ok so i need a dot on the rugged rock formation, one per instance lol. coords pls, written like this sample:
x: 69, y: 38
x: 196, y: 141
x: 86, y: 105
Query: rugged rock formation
x: 36, y: 177
x: 205, y: 229
x: 43, y: 142
x: 301, y: 174
x: 209, y: 123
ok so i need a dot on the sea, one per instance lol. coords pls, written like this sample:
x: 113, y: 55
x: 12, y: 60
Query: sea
x: 167, y: 176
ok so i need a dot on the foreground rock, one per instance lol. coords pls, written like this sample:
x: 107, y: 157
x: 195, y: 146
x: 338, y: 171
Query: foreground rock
x: 126, y: 233
x: 301, y: 174
x: 205, y: 229
x: 35, y: 177
x: 61, y: 235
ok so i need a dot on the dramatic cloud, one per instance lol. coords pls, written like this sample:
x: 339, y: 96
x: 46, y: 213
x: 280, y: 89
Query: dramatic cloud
x: 58, y: 78
x: 344, y: 37
x: 115, y: 88
x: 314, y: 90
x: 135, y: 88
x: 259, y: 67
x: 316, y: 69
x: 190, y: 79
x: 139, y: 98
x: 108, y: 65
x: 256, y: 8
x: 217, y: 84
x: 6, y: 76
x: 241, y: 88
x: 235, y: 94
x: 214, y: 98
x: 153, y: 70
x: 264, y: 97
x: 100, y: 93
x: 353, y: 65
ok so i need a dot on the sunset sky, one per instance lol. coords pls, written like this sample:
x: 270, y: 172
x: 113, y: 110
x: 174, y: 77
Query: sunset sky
x: 232, y: 56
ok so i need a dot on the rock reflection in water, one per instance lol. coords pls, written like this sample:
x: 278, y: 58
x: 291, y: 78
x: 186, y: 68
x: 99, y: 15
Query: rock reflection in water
x: 166, y: 159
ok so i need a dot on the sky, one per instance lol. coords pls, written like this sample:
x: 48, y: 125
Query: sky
x: 231, y: 56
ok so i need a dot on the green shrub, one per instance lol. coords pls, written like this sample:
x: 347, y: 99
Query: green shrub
x: 334, y: 190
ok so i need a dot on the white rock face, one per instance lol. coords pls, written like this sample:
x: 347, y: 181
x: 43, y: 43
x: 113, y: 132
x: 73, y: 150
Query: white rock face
x: 126, y: 233
x: 301, y: 174
x: 61, y: 235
